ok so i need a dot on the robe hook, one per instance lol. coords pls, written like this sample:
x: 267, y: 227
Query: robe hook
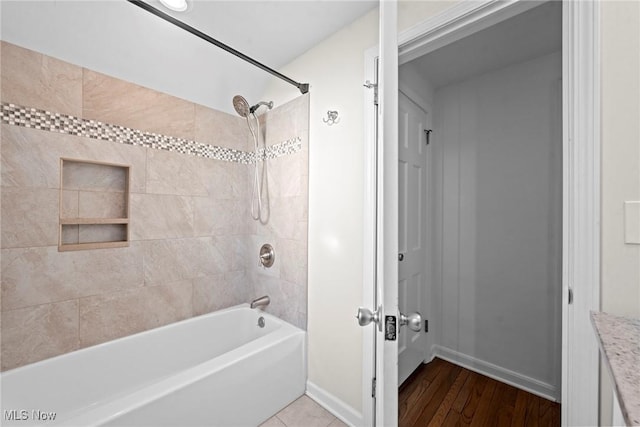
x: 332, y: 118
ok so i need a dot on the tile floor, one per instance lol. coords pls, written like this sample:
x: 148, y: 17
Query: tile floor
x: 304, y: 412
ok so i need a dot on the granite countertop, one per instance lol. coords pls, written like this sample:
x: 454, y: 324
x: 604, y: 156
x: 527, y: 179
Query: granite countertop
x: 619, y: 339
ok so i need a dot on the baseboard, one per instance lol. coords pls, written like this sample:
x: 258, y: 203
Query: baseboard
x: 334, y: 405
x: 515, y: 379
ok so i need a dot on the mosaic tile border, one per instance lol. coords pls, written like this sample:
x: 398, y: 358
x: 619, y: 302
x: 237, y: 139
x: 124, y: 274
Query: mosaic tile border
x: 16, y: 115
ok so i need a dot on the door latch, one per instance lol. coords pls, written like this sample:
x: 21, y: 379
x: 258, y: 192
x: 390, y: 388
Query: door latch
x: 390, y: 328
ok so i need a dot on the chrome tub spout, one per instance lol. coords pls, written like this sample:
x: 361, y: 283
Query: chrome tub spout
x: 261, y: 302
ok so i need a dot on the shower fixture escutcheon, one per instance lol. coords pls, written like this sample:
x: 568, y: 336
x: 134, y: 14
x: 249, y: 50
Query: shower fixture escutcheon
x: 267, y: 256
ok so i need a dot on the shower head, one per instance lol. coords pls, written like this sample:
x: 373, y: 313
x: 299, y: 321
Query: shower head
x: 255, y: 107
x: 241, y: 106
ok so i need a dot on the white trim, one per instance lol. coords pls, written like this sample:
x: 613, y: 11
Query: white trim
x: 581, y: 210
x: 337, y: 407
x: 507, y: 376
x: 460, y: 20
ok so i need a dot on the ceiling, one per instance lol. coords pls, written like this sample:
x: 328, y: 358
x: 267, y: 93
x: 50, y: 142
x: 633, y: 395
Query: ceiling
x: 122, y: 40
x: 533, y: 33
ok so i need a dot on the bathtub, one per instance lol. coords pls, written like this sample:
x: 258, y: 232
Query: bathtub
x: 219, y: 369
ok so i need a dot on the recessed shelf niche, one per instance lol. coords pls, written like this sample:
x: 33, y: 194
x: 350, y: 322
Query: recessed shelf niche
x: 94, y: 205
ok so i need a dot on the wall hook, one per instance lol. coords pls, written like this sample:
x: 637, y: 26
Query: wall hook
x: 332, y: 118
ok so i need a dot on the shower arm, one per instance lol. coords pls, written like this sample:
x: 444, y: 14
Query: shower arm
x: 302, y: 87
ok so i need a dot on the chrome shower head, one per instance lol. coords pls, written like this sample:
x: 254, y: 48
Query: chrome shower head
x: 255, y: 107
x: 241, y: 106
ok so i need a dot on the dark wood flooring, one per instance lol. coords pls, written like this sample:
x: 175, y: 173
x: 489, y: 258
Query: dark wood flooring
x: 443, y: 394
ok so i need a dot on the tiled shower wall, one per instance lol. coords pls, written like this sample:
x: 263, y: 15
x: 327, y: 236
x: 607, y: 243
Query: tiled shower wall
x: 192, y: 239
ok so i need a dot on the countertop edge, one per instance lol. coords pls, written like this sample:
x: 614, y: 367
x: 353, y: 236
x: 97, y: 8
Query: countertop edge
x: 616, y: 351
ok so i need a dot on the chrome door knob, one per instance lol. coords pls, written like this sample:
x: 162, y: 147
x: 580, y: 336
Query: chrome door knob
x: 365, y: 316
x: 413, y: 321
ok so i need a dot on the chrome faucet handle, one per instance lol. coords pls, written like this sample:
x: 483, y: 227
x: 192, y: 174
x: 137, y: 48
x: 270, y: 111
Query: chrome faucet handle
x: 267, y: 256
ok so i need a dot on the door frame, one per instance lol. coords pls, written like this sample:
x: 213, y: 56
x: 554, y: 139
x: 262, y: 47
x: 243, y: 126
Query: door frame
x: 581, y: 183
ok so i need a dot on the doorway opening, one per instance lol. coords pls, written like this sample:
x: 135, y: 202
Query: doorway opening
x: 480, y: 217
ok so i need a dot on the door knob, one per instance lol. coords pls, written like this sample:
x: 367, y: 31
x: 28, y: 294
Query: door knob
x: 413, y: 321
x: 365, y: 316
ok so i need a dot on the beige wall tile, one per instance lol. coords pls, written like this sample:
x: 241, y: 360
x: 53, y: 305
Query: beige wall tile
x: 102, y: 204
x: 118, y: 314
x: 287, y: 214
x: 287, y: 299
x: 174, y: 196
x: 293, y: 261
x: 178, y: 259
x: 221, y: 129
x: 36, y: 333
x: 211, y: 293
x: 157, y: 216
x: 27, y: 159
x: 174, y: 173
x: 34, y: 276
x: 70, y: 234
x: 31, y: 79
x: 29, y: 217
x: 94, y: 177
x: 31, y: 157
x: 116, y: 101
x: 287, y: 121
x: 241, y: 254
x: 91, y: 233
x: 69, y: 206
x: 224, y: 180
x: 286, y: 175
x: 224, y: 217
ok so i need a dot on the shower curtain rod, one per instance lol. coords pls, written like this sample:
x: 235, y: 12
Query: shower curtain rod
x: 302, y: 87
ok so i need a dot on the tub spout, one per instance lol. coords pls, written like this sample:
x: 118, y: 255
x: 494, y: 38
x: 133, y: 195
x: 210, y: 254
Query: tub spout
x: 261, y: 302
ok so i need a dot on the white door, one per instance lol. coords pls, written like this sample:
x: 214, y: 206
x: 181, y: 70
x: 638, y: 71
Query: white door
x: 387, y: 247
x: 412, y: 230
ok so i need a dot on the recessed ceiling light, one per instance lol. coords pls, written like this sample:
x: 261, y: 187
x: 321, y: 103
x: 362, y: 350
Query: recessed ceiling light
x: 177, y: 5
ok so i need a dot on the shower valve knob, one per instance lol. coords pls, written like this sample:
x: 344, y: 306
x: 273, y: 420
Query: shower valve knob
x: 267, y: 256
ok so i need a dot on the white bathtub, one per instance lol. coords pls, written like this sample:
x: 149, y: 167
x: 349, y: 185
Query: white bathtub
x: 220, y: 369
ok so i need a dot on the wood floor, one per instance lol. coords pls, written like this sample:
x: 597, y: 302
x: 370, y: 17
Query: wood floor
x: 443, y: 394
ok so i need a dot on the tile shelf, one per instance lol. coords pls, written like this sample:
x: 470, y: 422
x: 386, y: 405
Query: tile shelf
x: 94, y: 221
x: 100, y: 228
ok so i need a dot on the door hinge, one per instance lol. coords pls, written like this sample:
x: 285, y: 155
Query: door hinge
x: 426, y: 325
x: 373, y: 387
x: 570, y: 296
x: 373, y: 86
